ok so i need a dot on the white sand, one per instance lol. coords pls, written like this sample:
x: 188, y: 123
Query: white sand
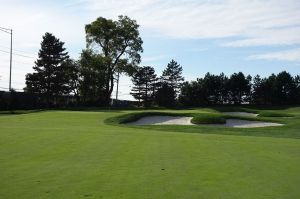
x: 171, y: 120
x: 163, y: 120
x: 241, y: 114
x: 236, y: 123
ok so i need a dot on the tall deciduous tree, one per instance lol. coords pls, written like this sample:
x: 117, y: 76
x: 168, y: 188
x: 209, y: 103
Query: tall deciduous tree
x: 118, y: 43
x: 144, y: 81
x: 172, y: 75
x: 92, y: 78
x: 49, y: 75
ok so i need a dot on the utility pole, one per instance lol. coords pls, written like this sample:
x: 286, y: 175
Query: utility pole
x: 9, y: 31
x: 10, y: 61
x: 117, y: 91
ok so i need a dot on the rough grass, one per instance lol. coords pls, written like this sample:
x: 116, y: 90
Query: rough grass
x: 274, y: 114
x: 74, y: 154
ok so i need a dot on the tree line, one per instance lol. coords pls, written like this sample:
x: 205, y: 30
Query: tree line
x: 115, y: 47
x: 150, y: 90
x: 170, y: 90
x: 280, y: 89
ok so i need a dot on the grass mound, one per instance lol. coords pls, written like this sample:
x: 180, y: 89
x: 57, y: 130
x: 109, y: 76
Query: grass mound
x: 209, y: 119
x: 274, y: 114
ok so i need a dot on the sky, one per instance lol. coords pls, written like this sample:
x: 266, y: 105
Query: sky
x: 252, y: 36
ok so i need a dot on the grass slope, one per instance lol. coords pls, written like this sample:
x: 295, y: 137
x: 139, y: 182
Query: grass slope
x: 69, y: 154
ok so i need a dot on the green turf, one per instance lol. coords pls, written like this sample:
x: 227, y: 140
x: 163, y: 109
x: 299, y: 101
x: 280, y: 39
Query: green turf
x: 75, y: 154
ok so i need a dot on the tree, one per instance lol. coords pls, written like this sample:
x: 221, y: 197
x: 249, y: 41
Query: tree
x: 172, y: 75
x: 165, y: 95
x: 144, y: 81
x: 49, y: 76
x: 214, y: 88
x: 118, y: 43
x: 92, y: 78
x: 192, y: 94
x: 258, y: 91
x: 296, y: 97
x: 71, y: 69
x: 239, y: 88
x: 285, y: 88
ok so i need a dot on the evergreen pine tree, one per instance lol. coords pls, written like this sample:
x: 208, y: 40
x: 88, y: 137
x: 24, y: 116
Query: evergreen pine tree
x: 49, y: 77
x: 144, y: 81
x: 172, y: 75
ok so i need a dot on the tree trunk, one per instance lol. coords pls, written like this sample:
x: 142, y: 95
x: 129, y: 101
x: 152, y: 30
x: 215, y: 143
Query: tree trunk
x: 109, y: 87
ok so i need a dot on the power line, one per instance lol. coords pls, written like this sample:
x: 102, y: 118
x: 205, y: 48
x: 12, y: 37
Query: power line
x: 5, y: 30
x: 17, y: 89
x: 19, y: 62
x: 15, y: 49
x: 17, y: 54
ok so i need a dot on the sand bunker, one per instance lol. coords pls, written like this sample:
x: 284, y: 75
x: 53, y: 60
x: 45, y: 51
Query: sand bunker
x: 241, y: 114
x: 171, y: 120
x: 236, y: 123
x: 163, y: 120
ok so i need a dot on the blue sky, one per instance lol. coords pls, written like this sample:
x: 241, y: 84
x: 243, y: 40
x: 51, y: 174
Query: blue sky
x: 252, y: 36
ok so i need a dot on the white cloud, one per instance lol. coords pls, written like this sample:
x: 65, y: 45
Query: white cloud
x: 275, y: 36
x: 259, y: 22
x: 288, y: 55
x: 254, y: 22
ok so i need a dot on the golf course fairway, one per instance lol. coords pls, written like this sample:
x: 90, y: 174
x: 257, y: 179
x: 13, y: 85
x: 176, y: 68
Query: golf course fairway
x: 78, y: 154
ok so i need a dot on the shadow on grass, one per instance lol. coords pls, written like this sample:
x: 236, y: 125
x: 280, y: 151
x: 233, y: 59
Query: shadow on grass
x: 19, y: 112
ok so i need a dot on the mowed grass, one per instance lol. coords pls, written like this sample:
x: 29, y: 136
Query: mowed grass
x: 75, y: 154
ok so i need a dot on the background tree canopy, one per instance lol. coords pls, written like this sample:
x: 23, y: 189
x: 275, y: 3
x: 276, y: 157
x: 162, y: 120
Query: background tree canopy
x: 118, y: 43
x: 114, y: 47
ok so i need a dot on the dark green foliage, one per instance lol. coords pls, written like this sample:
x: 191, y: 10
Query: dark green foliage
x: 165, y: 95
x: 49, y: 77
x: 93, y: 76
x: 218, y: 89
x: 119, y: 45
x: 192, y: 94
x: 144, y: 81
x: 72, y: 71
x: 172, y: 75
x: 239, y: 88
x: 276, y: 89
x: 212, y: 89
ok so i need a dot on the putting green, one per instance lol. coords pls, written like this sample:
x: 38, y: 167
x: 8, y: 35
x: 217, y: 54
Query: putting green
x: 70, y: 154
